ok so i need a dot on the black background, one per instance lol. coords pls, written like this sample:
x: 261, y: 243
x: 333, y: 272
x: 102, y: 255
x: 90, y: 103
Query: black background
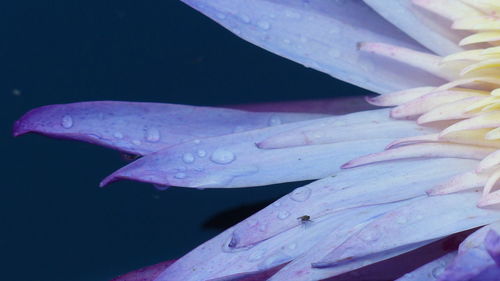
x: 56, y: 224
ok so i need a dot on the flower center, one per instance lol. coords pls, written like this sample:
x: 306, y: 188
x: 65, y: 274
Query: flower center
x: 466, y: 109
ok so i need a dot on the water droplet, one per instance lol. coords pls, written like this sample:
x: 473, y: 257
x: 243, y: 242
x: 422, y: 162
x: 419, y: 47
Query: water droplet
x: 418, y: 217
x: 292, y: 246
x: 276, y: 204
x: 201, y: 153
x: 180, y: 176
x: 197, y: 141
x: 220, y: 15
x: 401, y: 220
x: 67, y: 122
x: 274, y: 121
x: 252, y: 222
x: 245, y: 18
x: 238, y: 129
x: 334, y: 53
x: 236, y: 31
x: 287, y: 41
x: 152, y: 134
x: 303, y: 39
x: 264, y: 25
x: 301, y: 194
x: 188, y: 158
x: 262, y: 227
x: 222, y: 156
x: 369, y: 237
x: 283, y: 215
x: 118, y: 135
x: 437, y: 271
x: 292, y: 14
x: 256, y: 255
x: 136, y: 142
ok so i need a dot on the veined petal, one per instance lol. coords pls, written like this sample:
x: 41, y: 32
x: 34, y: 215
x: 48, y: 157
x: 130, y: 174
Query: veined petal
x: 142, y: 128
x: 235, y: 161
x: 428, y: 29
x: 349, y: 189
x: 425, y: 219
x: 278, y: 250
x: 322, y: 35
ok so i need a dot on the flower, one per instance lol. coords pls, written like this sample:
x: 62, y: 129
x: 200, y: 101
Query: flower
x: 412, y: 174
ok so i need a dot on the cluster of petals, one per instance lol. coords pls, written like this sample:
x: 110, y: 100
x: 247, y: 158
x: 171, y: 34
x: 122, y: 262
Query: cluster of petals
x: 389, y: 182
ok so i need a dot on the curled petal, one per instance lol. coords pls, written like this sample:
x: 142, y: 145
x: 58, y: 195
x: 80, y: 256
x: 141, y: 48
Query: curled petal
x: 142, y: 128
x: 430, y: 101
x: 474, y: 261
x: 423, y: 150
x: 321, y: 35
x: 397, y: 98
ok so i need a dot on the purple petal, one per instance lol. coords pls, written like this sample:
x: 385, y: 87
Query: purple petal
x: 349, y: 189
x: 235, y: 161
x: 474, y: 261
x: 426, y: 219
x: 215, y: 259
x: 322, y: 35
x: 492, y: 243
x: 142, y: 128
x: 428, y: 29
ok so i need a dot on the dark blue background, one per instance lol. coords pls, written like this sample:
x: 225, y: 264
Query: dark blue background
x: 56, y: 224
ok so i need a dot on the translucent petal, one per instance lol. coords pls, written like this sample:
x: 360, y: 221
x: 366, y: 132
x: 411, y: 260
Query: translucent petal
x: 142, y: 128
x: 322, y: 35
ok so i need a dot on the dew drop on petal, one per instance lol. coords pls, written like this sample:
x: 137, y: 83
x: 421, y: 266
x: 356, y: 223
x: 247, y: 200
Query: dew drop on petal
x: 197, y: 141
x: 180, y: 176
x: 152, y: 134
x: 401, y: 220
x: 245, y: 18
x: 264, y: 25
x: 301, y: 194
x: 283, y: 215
x: 292, y: 14
x: 334, y: 53
x: 201, y: 153
x: 222, y: 156
x: 118, y: 135
x: 136, y: 142
x: 276, y: 204
x: 67, y: 122
x: 256, y: 255
x: 220, y: 16
x: 275, y: 121
x: 188, y: 158
x: 292, y: 246
x: 437, y: 271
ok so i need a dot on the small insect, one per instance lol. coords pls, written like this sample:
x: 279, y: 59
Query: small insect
x: 304, y: 219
